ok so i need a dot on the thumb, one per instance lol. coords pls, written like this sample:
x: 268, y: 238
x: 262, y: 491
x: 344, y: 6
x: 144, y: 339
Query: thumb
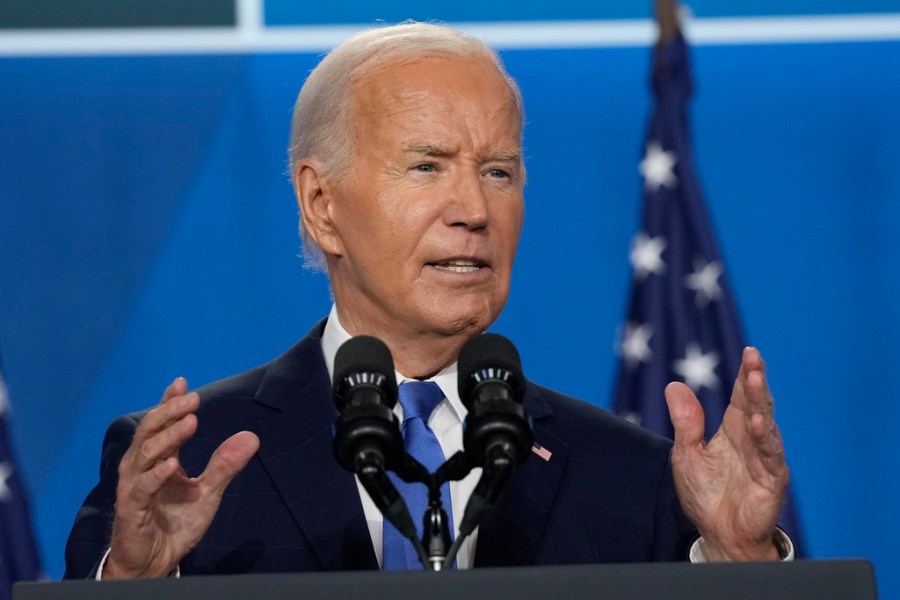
x: 229, y: 459
x: 686, y: 415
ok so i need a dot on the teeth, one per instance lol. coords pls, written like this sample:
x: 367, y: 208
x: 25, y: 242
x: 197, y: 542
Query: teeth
x: 461, y: 263
x: 456, y: 269
x: 458, y: 266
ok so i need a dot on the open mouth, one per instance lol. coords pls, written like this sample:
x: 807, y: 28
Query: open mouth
x: 459, y: 265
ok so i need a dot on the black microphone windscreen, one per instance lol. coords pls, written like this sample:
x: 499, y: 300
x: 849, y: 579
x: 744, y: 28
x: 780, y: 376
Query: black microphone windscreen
x: 365, y: 354
x: 489, y: 356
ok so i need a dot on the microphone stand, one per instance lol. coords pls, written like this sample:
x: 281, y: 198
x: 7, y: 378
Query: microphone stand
x: 372, y: 475
x: 496, y: 472
x: 433, y: 549
x: 436, y: 536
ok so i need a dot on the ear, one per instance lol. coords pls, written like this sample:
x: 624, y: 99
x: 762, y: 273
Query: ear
x: 315, y: 198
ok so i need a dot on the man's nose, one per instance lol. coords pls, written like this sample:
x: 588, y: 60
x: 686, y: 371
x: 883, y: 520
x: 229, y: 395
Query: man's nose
x: 468, y: 206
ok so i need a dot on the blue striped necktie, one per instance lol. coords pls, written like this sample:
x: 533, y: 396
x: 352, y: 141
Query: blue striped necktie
x: 418, y: 399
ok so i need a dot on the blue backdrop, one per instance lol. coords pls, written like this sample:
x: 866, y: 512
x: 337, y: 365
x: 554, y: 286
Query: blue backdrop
x: 148, y: 230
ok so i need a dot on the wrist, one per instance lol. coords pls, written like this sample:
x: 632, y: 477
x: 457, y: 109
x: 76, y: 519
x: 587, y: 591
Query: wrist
x: 111, y: 569
x: 717, y: 550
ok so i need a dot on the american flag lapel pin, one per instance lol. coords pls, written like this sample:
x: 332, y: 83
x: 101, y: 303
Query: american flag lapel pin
x: 541, y: 452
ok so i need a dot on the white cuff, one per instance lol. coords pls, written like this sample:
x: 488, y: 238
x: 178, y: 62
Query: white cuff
x: 782, y: 542
x: 99, y: 576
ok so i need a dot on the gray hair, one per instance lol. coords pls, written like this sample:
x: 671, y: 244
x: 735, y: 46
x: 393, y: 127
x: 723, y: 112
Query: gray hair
x: 321, y: 122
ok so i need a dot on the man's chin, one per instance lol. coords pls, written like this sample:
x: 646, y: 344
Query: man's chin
x: 466, y: 323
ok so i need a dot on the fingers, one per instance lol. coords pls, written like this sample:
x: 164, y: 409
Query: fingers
x: 686, y: 415
x: 165, y: 428
x: 178, y: 387
x: 151, y: 459
x: 229, y: 459
x: 164, y: 443
x: 753, y: 397
x: 751, y: 389
x: 144, y: 486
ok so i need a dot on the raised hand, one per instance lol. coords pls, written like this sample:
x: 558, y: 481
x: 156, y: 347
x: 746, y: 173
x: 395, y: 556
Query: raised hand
x: 161, y: 514
x: 731, y: 488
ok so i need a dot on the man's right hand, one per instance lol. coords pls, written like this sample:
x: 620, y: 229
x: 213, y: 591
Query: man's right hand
x: 161, y: 513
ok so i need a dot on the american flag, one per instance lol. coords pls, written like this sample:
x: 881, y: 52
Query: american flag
x: 18, y: 552
x: 542, y: 452
x: 682, y: 320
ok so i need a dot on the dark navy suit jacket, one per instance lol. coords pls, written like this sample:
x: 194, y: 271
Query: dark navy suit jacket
x: 605, y: 495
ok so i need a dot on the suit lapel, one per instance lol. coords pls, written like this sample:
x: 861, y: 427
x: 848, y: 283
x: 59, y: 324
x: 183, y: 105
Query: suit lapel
x: 296, y: 451
x: 512, y: 533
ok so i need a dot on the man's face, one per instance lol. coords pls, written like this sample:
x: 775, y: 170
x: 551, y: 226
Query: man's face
x: 428, y: 215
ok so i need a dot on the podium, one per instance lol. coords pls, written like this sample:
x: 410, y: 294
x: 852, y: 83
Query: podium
x: 805, y: 579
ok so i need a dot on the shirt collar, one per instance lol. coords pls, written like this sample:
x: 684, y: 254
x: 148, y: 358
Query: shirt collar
x: 335, y: 335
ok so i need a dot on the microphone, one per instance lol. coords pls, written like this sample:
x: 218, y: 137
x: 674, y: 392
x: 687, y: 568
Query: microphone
x: 367, y: 438
x: 498, y: 434
x: 491, y: 386
x: 365, y: 392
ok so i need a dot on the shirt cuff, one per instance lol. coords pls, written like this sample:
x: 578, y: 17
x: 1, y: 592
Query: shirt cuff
x: 99, y: 576
x: 782, y: 542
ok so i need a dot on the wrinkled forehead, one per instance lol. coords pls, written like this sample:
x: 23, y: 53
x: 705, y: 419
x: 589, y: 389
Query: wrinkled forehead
x: 411, y: 82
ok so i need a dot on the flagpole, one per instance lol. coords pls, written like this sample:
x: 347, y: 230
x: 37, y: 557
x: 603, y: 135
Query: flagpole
x: 666, y: 13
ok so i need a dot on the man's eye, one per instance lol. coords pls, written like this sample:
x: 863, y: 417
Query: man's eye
x: 425, y: 168
x: 498, y: 174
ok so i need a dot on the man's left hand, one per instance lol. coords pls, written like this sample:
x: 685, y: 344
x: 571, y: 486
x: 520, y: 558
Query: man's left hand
x: 732, y: 488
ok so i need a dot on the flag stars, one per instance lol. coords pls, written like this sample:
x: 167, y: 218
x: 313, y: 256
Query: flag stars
x: 698, y: 369
x: 658, y: 168
x: 635, y: 346
x: 705, y: 281
x: 646, y: 255
x: 5, y: 473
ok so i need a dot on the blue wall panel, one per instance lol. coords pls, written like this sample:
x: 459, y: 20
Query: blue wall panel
x: 88, y: 185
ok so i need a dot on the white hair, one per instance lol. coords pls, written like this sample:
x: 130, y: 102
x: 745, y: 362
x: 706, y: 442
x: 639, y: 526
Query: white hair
x: 321, y: 124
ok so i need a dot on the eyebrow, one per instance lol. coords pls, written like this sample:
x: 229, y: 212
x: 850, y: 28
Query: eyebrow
x: 427, y: 150
x: 511, y: 154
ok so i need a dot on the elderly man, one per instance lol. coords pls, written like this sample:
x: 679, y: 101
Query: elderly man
x: 407, y: 164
